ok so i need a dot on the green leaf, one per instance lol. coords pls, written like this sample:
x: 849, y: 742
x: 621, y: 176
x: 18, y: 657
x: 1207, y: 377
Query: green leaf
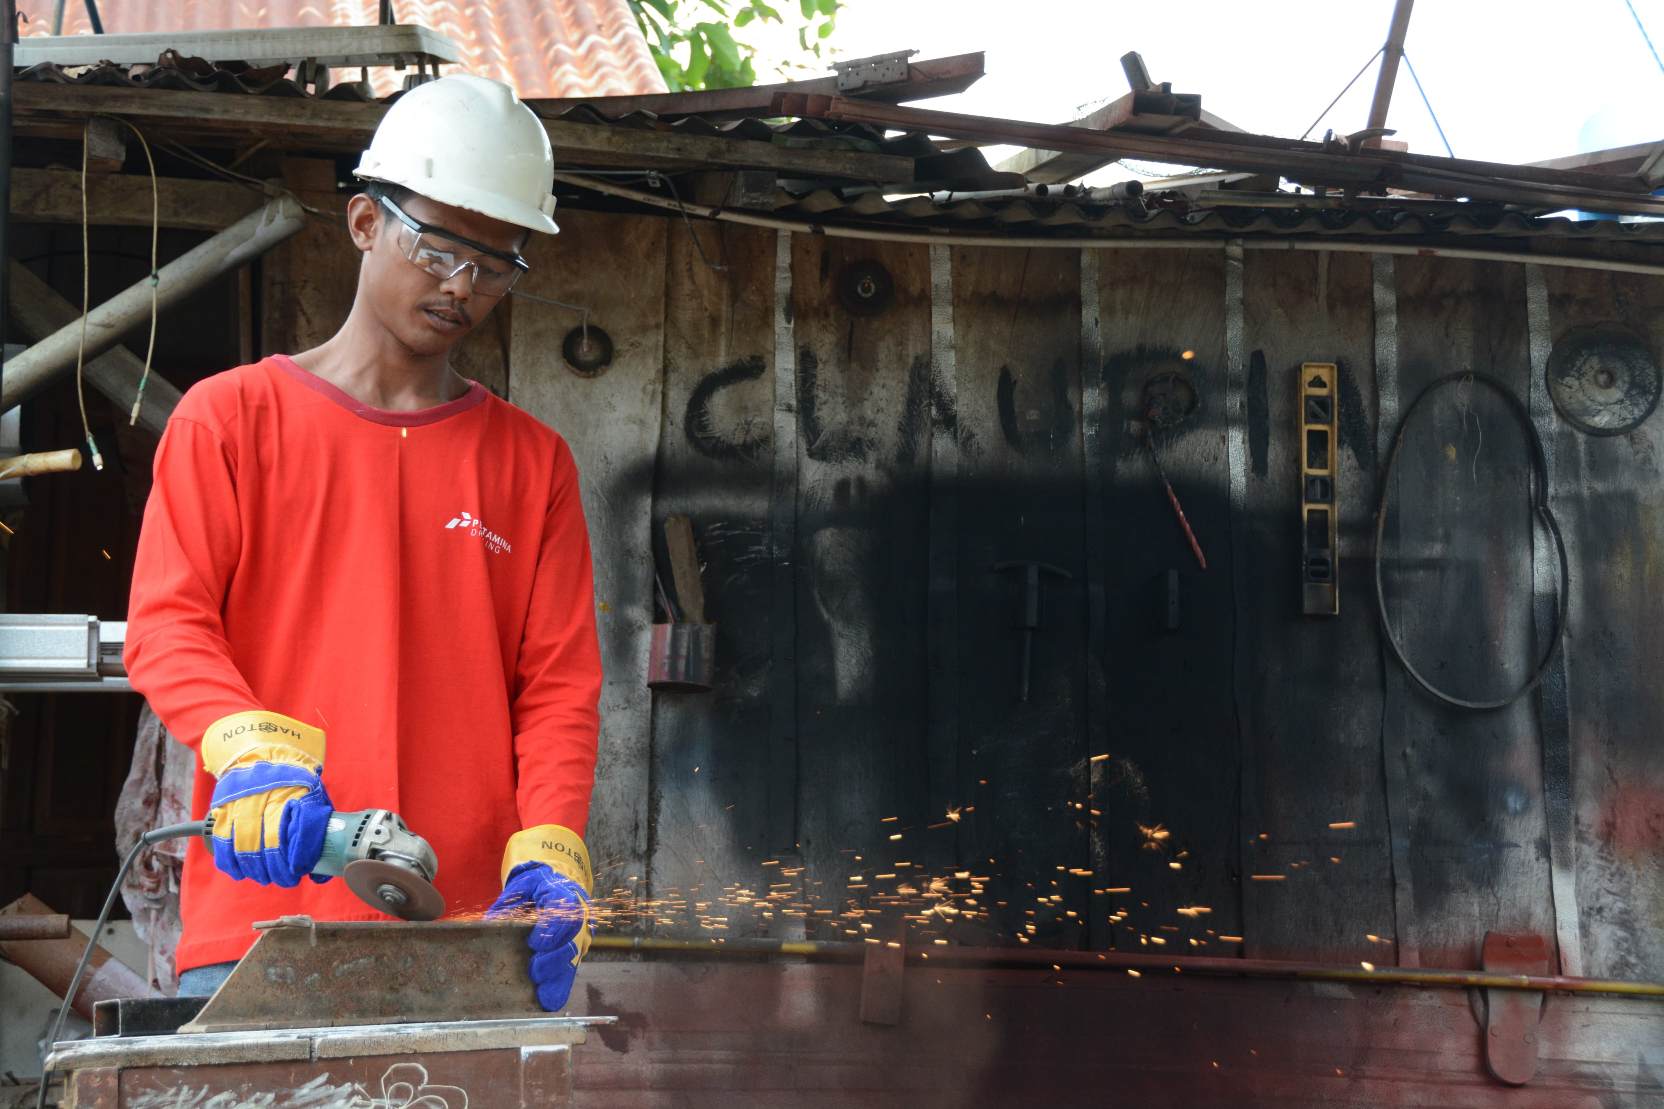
x: 826, y: 29
x: 671, y: 70
x: 666, y: 8
x: 725, y: 52
x: 699, y: 61
x: 803, y: 37
x: 808, y: 8
x: 768, y: 12
x: 743, y: 17
x: 827, y: 8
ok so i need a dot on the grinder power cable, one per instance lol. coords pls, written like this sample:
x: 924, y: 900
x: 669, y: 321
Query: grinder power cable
x: 389, y: 867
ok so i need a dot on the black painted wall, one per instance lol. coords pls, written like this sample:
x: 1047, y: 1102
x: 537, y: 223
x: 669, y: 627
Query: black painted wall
x: 1199, y: 768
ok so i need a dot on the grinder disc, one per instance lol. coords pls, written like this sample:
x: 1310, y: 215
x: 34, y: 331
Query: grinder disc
x: 394, y: 890
x: 1603, y: 379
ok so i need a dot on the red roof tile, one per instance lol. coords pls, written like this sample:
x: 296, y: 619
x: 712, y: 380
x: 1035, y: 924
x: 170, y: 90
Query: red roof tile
x: 544, y: 48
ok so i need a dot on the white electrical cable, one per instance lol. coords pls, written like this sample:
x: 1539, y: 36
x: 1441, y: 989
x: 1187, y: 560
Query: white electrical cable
x: 86, y: 282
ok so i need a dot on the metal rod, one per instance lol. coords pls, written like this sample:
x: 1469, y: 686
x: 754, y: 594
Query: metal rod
x: 33, y: 926
x: 843, y: 951
x: 1390, y: 54
x: 1088, y: 242
x: 242, y: 242
x: 8, y: 38
x: 52, y: 963
x: 1173, y: 499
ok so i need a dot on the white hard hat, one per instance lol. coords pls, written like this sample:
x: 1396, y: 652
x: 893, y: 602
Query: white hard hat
x: 469, y: 142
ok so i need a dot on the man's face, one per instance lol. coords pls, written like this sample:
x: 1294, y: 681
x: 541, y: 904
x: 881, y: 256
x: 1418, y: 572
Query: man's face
x: 424, y: 312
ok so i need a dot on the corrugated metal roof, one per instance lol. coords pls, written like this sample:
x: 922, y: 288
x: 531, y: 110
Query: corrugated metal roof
x: 544, y: 48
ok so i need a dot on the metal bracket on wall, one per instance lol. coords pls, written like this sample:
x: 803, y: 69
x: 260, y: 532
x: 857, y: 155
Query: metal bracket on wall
x: 1319, y: 564
x: 1512, y: 1016
x: 880, y: 69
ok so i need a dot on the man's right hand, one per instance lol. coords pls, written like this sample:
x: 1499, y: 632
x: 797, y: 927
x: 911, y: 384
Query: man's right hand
x: 269, y: 810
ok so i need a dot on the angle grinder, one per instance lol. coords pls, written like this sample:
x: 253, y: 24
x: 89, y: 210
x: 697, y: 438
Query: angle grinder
x: 387, y: 865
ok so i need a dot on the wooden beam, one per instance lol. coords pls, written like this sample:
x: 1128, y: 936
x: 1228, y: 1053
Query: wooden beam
x: 39, y: 311
x: 298, y: 123
x: 1051, y: 167
x: 934, y: 77
x: 123, y: 200
x: 1311, y: 163
x: 1150, y: 113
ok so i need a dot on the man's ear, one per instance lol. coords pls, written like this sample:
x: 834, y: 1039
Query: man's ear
x: 363, y: 220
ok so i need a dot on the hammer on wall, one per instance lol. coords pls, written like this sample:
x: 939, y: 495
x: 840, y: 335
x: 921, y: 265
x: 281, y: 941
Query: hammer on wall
x: 1030, y: 621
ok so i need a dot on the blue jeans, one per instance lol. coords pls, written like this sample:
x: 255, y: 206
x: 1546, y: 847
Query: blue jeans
x: 202, y: 981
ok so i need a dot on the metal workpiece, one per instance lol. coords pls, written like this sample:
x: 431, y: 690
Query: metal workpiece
x: 436, y: 1015
x: 34, y: 926
x: 306, y: 974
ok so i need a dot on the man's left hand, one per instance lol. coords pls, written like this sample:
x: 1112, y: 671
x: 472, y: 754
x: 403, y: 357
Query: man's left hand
x: 559, y: 909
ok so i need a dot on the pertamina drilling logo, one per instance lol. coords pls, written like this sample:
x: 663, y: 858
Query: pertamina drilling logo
x: 473, y: 526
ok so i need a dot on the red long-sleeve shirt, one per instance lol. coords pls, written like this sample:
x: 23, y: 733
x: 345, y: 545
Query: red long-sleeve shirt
x: 417, y: 584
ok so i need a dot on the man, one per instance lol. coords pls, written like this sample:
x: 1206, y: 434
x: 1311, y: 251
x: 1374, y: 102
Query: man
x: 358, y: 542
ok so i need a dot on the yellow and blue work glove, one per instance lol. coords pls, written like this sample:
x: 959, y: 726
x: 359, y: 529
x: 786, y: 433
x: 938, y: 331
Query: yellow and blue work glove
x: 547, y: 879
x: 269, y: 810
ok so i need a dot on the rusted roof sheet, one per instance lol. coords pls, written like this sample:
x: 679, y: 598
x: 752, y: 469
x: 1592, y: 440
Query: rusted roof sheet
x: 1077, y: 213
x: 544, y: 48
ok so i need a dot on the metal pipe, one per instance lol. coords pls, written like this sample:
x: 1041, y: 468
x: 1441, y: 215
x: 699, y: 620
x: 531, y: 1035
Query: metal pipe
x: 243, y: 241
x: 8, y: 38
x: 1390, y: 54
x: 33, y: 465
x: 33, y: 926
x: 1079, y: 242
x: 52, y: 963
x: 836, y: 950
x: 843, y: 951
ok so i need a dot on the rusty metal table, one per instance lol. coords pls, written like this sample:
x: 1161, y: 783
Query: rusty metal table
x: 522, y: 1062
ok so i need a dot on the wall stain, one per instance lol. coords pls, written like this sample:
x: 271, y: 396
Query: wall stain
x: 1062, y: 427
x: 926, y: 409
x: 1355, y: 435
x: 615, y: 1036
x: 1259, y: 416
x: 819, y: 443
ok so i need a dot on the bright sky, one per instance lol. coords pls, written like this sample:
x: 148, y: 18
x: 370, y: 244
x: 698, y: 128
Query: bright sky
x: 1511, y: 80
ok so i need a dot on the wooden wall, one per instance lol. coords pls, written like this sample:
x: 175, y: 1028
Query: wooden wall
x: 854, y: 479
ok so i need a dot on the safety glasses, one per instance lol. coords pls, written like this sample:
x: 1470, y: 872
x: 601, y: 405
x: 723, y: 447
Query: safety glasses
x: 444, y: 254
